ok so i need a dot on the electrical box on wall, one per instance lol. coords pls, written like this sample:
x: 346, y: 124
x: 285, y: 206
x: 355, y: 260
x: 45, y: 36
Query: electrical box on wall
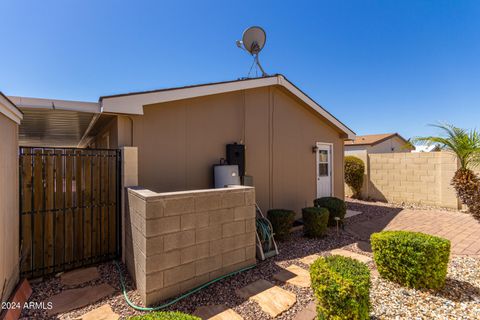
x: 236, y: 156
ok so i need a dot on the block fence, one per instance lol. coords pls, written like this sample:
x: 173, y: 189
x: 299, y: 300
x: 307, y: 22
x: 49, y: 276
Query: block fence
x: 179, y: 240
x: 417, y: 178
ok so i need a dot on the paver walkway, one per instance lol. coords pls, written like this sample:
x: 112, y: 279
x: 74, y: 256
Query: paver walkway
x: 76, y: 298
x: 460, y: 228
x: 294, y: 275
x: 104, y: 312
x: 218, y: 312
x: 80, y: 276
x: 272, y: 299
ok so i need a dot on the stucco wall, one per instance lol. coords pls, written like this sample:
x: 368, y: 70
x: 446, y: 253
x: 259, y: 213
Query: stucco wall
x: 178, y: 241
x: 9, y: 224
x: 178, y: 142
x: 422, y: 178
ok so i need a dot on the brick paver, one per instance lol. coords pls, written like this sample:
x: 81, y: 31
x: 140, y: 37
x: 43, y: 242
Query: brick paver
x: 460, y: 228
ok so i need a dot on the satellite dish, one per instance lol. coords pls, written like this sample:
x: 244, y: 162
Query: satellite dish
x: 253, y: 41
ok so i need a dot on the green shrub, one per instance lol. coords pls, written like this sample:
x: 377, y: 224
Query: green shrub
x: 335, y: 206
x: 342, y: 287
x: 354, y: 171
x: 165, y: 316
x: 282, y: 221
x: 315, y: 221
x: 412, y: 259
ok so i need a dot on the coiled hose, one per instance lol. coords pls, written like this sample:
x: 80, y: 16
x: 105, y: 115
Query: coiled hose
x: 183, y: 296
x: 265, y: 232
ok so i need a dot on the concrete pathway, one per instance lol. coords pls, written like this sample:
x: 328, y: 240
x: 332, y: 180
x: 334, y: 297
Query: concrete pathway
x: 218, y: 312
x: 104, y: 312
x: 272, y: 299
x: 294, y: 275
x: 460, y: 228
x: 308, y: 260
x: 72, y: 299
x: 79, y: 276
x: 351, y: 254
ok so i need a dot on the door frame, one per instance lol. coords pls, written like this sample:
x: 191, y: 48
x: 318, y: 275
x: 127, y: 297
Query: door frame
x: 331, y: 167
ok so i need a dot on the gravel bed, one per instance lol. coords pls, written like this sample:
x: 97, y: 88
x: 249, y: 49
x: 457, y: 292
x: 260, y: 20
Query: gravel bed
x: 460, y: 299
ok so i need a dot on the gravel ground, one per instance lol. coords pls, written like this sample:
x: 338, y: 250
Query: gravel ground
x: 460, y: 299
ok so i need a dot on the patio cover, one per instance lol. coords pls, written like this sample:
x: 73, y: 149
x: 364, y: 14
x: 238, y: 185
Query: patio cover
x: 54, y: 123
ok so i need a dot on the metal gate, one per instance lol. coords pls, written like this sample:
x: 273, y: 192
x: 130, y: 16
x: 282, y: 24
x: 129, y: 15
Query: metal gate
x: 69, y: 208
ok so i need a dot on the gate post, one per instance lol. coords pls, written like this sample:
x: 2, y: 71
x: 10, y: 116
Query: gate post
x: 129, y: 179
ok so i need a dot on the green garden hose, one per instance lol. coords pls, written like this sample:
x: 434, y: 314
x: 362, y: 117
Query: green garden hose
x: 183, y: 296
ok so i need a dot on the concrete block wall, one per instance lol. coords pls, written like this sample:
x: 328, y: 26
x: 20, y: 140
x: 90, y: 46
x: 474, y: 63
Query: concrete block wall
x: 179, y: 240
x: 420, y: 178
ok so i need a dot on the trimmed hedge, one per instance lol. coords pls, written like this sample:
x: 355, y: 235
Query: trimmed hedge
x: 282, y: 221
x: 342, y: 287
x: 162, y: 315
x: 354, y: 171
x: 335, y: 206
x: 412, y: 259
x: 315, y: 221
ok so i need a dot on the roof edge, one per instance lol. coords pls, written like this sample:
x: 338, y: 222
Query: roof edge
x: 9, y: 109
x: 132, y: 103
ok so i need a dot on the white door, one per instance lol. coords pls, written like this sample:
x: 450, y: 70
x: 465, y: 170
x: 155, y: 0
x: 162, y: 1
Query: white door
x: 324, y: 170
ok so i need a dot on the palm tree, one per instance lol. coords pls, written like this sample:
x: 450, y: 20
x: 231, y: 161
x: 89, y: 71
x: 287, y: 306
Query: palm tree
x: 465, y: 145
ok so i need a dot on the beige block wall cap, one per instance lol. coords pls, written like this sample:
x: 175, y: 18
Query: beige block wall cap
x: 149, y: 195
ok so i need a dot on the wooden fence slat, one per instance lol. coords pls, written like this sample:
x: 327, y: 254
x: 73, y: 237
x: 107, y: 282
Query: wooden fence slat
x: 49, y: 216
x: 26, y: 208
x: 68, y: 208
x: 38, y: 191
x: 69, y: 213
x: 59, y: 216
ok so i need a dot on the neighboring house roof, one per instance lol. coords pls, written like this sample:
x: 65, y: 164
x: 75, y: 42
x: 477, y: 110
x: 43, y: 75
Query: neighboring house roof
x: 373, y: 139
x: 132, y: 103
x: 9, y: 109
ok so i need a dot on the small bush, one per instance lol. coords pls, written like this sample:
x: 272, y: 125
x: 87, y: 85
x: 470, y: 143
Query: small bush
x: 315, y: 221
x: 335, y: 206
x: 354, y: 171
x: 342, y: 287
x: 412, y: 259
x: 282, y: 221
x: 165, y: 316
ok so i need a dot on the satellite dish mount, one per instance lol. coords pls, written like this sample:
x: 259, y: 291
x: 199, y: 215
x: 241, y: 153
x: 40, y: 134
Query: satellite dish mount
x: 253, y: 41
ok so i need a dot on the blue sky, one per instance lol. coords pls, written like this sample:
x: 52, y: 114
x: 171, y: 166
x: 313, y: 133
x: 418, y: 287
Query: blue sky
x: 379, y: 66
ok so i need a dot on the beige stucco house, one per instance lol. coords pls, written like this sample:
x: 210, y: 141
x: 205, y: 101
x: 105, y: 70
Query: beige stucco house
x: 169, y: 141
x: 379, y: 143
x: 294, y: 147
x: 10, y: 118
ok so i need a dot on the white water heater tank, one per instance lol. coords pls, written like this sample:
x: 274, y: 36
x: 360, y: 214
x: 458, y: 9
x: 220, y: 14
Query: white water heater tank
x: 226, y: 175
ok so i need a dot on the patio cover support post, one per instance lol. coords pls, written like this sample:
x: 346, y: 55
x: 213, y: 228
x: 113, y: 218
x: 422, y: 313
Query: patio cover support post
x: 129, y: 179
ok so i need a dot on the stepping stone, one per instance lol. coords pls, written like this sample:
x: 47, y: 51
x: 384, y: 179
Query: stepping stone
x: 294, y: 275
x: 308, y: 260
x: 309, y: 313
x: 218, y: 312
x: 72, y: 299
x: 272, y: 299
x: 352, y: 213
x: 104, y: 312
x: 353, y: 255
x: 79, y: 276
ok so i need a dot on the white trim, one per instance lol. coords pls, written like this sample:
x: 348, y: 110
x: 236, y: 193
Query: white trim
x: 331, y: 166
x: 133, y: 103
x: 68, y: 105
x: 8, y: 109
